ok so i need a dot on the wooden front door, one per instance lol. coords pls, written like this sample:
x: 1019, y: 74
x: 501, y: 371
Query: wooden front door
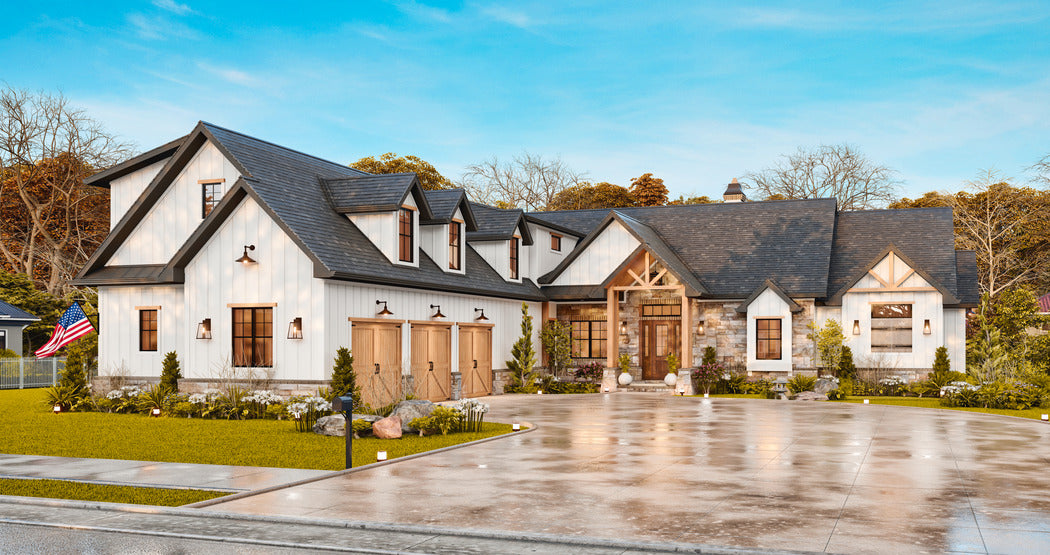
x: 432, y: 361
x: 475, y: 360
x: 377, y: 361
x: 659, y: 338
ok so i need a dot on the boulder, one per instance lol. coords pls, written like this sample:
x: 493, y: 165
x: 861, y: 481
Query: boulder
x: 811, y: 396
x: 334, y: 425
x: 387, y: 428
x: 824, y: 385
x: 411, y: 409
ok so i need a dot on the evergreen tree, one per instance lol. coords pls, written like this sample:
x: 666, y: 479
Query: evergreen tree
x: 170, y: 373
x: 344, y: 379
x: 73, y: 375
x: 847, y: 370
x: 710, y: 357
x: 523, y: 377
x: 940, y: 360
x: 556, y: 341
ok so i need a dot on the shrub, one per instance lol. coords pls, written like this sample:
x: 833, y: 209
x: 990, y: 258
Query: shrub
x: 61, y: 395
x: 592, y: 371
x: 706, y: 375
x: 801, y: 382
x: 572, y: 388
x: 170, y: 373
x: 523, y: 359
x: 672, y: 363
x: 8, y: 353
x: 710, y: 357
x: 344, y: 378
x: 155, y: 396
x: 625, y: 363
x: 556, y: 341
x: 941, y: 362
x: 891, y: 386
x: 731, y: 383
x: 73, y: 376
x: 829, y: 339
x: 443, y: 419
x: 847, y: 370
x: 365, y: 427
x: 759, y: 387
x: 184, y: 408
x: 844, y: 390
x: 276, y: 411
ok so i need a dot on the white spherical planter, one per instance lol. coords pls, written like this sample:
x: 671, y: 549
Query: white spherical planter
x: 624, y: 379
x: 671, y: 379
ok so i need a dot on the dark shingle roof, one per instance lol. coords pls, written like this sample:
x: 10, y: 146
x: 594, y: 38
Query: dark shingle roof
x: 924, y: 235
x: 369, y: 193
x: 496, y: 224
x: 9, y: 313
x: 583, y: 222
x: 443, y: 205
x: 967, y: 278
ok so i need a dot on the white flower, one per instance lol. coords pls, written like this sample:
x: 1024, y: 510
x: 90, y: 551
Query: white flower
x: 115, y: 394
x: 198, y: 399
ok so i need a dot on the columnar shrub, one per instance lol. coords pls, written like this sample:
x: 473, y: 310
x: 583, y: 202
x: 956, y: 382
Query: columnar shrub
x: 344, y: 378
x: 170, y: 373
x: 847, y: 370
x: 556, y: 341
x: 523, y: 359
x: 73, y: 376
x: 710, y: 356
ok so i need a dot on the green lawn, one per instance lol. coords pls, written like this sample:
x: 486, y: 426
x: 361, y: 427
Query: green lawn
x: 62, y: 489
x: 29, y: 428
x: 935, y: 403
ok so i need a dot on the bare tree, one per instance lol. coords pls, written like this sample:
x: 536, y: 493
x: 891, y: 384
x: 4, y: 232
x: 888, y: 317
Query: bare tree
x: 49, y: 221
x: 837, y: 171
x: 1041, y: 171
x: 528, y: 181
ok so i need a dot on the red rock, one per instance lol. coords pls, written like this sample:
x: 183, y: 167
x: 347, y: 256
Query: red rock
x: 387, y: 428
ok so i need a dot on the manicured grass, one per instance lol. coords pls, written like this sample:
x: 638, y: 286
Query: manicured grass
x: 734, y: 395
x: 29, y: 428
x: 935, y: 403
x: 62, y: 489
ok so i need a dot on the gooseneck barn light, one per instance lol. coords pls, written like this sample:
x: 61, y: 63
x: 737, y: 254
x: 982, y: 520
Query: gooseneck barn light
x: 385, y: 311
x: 481, y: 318
x: 245, y: 259
x: 438, y: 314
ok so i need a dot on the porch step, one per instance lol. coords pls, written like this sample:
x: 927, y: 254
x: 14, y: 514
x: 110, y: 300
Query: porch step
x: 647, y: 386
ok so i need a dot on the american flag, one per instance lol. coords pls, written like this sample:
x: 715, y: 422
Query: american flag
x: 71, y: 326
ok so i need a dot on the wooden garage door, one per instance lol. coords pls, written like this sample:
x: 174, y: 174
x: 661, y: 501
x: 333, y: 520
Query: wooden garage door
x: 432, y: 361
x: 377, y: 360
x: 475, y: 360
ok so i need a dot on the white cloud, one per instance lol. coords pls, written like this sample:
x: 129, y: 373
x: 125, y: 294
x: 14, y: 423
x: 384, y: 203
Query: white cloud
x: 173, y: 7
x: 231, y: 75
x: 423, y: 11
x: 159, y: 28
x: 511, y: 17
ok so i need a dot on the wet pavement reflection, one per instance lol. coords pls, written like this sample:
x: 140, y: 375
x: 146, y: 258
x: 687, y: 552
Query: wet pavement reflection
x: 740, y: 472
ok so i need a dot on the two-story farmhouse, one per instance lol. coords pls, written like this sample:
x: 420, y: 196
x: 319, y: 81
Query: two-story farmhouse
x: 238, y: 253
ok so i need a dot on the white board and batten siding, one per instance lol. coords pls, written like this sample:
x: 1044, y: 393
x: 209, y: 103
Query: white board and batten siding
x: 497, y: 255
x: 118, y: 341
x: 544, y: 258
x: 283, y: 275
x: 434, y: 242
x: 603, y: 255
x: 769, y: 305
x: 124, y: 191
x: 345, y: 300
x: 178, y: 212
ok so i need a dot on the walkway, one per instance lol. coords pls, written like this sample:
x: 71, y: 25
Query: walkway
x: 806, y: 476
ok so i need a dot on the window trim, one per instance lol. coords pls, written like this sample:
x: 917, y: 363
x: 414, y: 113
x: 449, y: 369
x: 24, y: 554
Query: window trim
x: 145, y: 332
x: 892, y: 348
x: 778, y: 340
x: 254, y: 339
x: 515, y: 258
x: 3, y: 339
x: 455, y: 262
x: 589, y: 341
x: 555, y: 240
x: 402, y: 251
x: 205, y: 183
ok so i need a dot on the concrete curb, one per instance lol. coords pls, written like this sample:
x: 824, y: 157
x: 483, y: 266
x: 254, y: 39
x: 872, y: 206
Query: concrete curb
x: 218, y: 500
x: 499, y: 535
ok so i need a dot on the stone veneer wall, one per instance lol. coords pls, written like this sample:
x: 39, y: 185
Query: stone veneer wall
x: 725, y: 329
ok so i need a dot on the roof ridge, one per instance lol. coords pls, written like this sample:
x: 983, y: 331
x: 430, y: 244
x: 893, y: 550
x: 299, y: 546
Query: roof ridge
x: 282, y: 147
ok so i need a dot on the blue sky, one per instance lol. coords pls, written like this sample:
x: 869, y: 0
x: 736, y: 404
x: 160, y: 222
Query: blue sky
x: 696, y: 93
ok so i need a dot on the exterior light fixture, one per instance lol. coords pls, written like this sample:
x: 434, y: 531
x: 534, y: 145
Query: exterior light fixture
x: 515, y: 427
x: 926, y: 327
x: 385, y: 311
x: 380, y: 456
x: 245, y: 259
x: 438, y: 314
x: 481, y: 318
x: 1046, y: 418
x: 866, y: 402
x: 155, y: 411
x: 295, y: 328
x: 700, y: 327
x: 57, y: 409
x: 204, y: 329
x: 856, y: 327
x: 623, y: 328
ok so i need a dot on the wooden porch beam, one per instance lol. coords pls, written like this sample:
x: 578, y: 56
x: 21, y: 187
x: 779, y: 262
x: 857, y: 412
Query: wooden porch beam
x: 687, y: 333
x: 612, y: 328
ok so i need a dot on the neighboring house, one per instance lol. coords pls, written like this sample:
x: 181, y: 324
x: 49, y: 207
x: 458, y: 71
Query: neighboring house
x: 12, y: 321
x: 241, y: 256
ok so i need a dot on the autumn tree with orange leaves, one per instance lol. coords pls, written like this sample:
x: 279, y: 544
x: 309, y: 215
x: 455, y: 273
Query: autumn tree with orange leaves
x: 50, y: 222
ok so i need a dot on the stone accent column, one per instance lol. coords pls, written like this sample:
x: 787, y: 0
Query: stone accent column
x: 609, y: 382
x: 457, y: 386
x: 685, y: 381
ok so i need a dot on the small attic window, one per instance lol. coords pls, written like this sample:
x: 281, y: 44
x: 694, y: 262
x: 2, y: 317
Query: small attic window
x: 555, y: 242
x: 404, y: 235
x: 211, y: 194
x: 454, y: 242
x: 514, y: 258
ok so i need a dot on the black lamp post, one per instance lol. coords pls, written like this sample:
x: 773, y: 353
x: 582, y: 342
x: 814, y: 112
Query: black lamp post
x: 345, y: 405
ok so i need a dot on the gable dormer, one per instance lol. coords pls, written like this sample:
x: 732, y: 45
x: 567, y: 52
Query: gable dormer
x: 502, y: 239
x: 444, y: 237
x: 387, y: 208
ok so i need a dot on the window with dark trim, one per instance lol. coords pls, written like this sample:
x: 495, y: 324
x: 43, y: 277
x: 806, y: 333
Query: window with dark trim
x: 767, y: 333
x: 3, y: 339
x: 253, y: 337
x: 148, y: 330
x: 514, y: 258
x: 211, y: 194
x: 404, y: 235
x: 587, y: 338
x: 891, y: 328
x: 454, y: 245
x: 555, y: 242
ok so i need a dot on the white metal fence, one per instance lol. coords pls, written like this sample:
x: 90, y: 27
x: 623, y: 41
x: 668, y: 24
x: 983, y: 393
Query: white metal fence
x: 21, y: 373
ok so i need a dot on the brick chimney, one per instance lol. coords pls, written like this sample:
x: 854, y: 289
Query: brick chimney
x: 734, y: 193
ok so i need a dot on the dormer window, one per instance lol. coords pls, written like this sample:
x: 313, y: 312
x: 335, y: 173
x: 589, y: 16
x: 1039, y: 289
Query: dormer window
x: 405, y: 243
x: 454, y: 242
x: 514, y: 258
x: 211, y: 194
x: 555, y: 242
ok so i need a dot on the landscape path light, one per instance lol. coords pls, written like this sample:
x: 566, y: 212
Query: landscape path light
x: 345, y: 405
x: 380, y: 456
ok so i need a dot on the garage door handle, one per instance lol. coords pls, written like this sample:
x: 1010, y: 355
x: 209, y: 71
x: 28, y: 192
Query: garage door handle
x: 431, y: 366
x: 377, y: 368
x: 475, y: 363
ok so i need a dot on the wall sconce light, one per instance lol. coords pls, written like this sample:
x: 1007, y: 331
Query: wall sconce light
x: 856, y: 327
x: 385, y: 311
x: 295, y: 328
x: 155, y: 411
x: 481, y: 318
x: 57, y: 409
x: 438, y: 314
x: 245, y: 259
x: 926, y: 327
x: 204, y: 329
x: 700, y: 327
x: 623, y: 328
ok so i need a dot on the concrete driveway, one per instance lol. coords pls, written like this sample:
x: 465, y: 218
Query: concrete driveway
x: 750, y: 473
